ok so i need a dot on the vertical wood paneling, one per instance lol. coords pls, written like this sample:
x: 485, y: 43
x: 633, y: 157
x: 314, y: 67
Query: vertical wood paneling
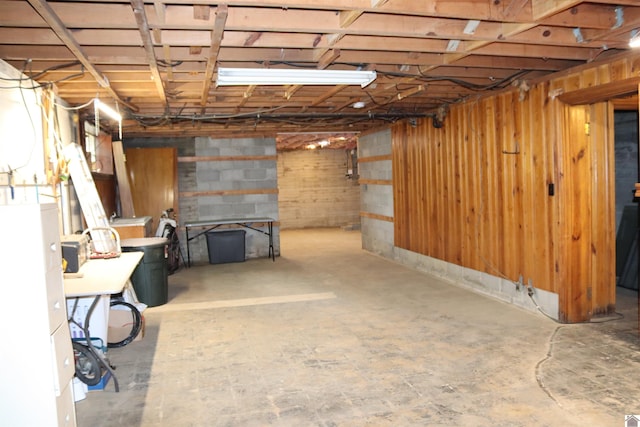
x: 575, y: 211
x: 538, y: 171
x: 492, y: 212
x: 441, y: 192
x: 400, y: 182
x: 476, y: 193
x: 603, y: 216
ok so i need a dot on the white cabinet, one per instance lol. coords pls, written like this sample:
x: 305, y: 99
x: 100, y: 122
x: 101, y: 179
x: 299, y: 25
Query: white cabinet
x: 36, y: 360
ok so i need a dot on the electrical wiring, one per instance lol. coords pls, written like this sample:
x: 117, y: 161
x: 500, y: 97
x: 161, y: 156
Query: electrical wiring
x: 298, y: 119
x: 498, y: 84
x: 34, y: 77
x: 54, y: 68
x: 166, y: 64
x: 77, y: 107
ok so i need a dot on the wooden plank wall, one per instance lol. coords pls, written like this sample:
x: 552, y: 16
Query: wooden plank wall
x: 513, y: 186
x: 586, y: 212
x: 474, y: 193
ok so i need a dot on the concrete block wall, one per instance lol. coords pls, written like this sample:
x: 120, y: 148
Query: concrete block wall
x: 314, y: 190
x: 255, y: 179
x: 377, y: 234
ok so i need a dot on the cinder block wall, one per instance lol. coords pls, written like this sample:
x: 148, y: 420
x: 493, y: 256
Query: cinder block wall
x: 232, y: 180
x: 314, y: 190
x: 224, y: 178
x: 376, y: 193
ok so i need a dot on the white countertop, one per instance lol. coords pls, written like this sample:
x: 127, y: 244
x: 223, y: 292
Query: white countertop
x: 102, y: 276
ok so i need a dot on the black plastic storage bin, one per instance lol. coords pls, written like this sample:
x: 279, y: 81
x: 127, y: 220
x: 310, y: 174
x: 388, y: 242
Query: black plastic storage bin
x: 150, y: 278
x: 225, y: 246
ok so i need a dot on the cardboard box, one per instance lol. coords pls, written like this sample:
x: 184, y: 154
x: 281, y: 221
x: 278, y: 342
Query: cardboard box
x: 120, y: 325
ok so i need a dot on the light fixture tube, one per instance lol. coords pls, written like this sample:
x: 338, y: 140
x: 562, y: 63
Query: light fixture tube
x: 275, y: 76
x: 108, y: 110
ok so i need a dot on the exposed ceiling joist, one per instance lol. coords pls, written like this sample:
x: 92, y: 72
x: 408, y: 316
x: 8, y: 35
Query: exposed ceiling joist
x: 147, y: 42
x: 426, y: 55
x: 43, y: 8
x: 216, y: 39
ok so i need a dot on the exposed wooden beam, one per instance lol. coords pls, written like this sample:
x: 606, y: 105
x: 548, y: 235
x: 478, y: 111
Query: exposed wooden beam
x: 328, y: 58
x: 514, y: 8
x: 544, y: 8
x: 43, y: 8
x: 410, y: 92
x: 603, y: 92
x: 347, y: 17
x: 201, y: 12
x: 245, y: 96
x: 160, y: 9
x: 216, y: 39
x: 290, y: 90
x: 328, y: 94
x: 346, y: 104
x: 147, y: 42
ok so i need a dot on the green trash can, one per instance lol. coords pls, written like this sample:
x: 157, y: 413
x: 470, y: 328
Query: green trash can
x: 150, y: 279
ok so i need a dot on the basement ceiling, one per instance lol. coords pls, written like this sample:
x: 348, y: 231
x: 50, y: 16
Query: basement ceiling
x: 158, y: 60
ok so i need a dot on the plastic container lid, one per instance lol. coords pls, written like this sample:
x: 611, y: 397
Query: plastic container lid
x: 143, y: 241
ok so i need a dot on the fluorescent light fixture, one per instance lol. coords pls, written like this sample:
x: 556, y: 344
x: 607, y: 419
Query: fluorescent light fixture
x: 634, y: 42
x: 275, y: 76
x: 107, y: 110
x: 99, y: 106
x: 323, y: 143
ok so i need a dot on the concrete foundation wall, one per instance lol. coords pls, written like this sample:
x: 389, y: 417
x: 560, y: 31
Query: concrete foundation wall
x: 378, y: 237
x: 313, y: 189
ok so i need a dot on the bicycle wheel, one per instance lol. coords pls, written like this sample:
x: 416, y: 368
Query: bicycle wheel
x: 88, y: 367
x: 135, y: 324
x: 174, y: 253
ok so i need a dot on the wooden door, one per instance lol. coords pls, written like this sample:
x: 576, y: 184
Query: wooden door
x: 153, y: 175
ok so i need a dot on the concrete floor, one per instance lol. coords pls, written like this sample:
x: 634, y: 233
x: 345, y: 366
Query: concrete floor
x: 330, y: 335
